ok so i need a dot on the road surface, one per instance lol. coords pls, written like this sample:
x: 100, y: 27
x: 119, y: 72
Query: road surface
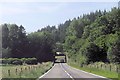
x: 61, y: 71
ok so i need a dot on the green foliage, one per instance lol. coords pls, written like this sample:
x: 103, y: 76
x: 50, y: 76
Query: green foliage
x: 42, y: 44
x: 10, y: 60
x: 61, y: 31
x: 6, y: 53
x: 95, y: 54
x: 99, y: 71
x: 99, y: 28
x: 13, y: 40
x: 17, y: 61
x: 16, y: 44
x: 111, y: 40
x: 30, y: 61
x: 31, y: 72
x: 116, y: 52
x: 59, y: 47
x: 5, y: 36
x: 86, y: 32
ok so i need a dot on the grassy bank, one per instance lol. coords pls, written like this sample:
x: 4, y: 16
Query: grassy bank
x: 25, y: 71
x: 109, y: 74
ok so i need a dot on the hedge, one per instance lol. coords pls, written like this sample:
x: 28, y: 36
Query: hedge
x: 17, y: 61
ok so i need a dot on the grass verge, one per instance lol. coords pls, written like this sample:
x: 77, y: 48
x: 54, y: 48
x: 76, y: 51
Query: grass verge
x: 104, y: 73
x: 25, y: 71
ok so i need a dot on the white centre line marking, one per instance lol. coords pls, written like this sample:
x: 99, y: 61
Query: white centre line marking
x: 66, y: 72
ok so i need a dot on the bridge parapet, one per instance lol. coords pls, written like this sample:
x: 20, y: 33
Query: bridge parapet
x: 60, y: 57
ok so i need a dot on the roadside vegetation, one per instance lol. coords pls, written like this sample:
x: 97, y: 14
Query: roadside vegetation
x: 105, y: 70
x: 87, y: 39
x: 25, y: 71
x: 95, y: 38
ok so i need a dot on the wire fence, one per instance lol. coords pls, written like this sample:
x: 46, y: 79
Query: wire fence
x: 109, y: 67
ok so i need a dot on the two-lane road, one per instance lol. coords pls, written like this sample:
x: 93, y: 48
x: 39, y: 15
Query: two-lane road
x: 62, y: 71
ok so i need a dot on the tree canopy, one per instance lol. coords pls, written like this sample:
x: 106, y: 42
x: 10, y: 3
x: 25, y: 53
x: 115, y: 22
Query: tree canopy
x: 89, y: 38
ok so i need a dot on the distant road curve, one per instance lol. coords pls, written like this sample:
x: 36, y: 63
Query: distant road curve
x: 61, y: 71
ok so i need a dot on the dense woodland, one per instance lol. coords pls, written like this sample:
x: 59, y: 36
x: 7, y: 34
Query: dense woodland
x: 88, y: 38
x: 17, y: 44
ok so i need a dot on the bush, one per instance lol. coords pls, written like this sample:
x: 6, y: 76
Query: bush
x: 95, y: 54
x: 31, y: 61
x: 11, y: 61
x: 4, y: 61
x: 116, y: 53
x: 17, y: 62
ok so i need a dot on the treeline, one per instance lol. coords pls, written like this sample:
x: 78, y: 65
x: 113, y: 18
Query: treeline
x: 88, y: 38
x: 94, y: 37
x: 41, y: 44
x: 17, y: 44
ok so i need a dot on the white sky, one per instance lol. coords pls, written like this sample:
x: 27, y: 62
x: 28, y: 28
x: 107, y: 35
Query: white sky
x: 59, y: 0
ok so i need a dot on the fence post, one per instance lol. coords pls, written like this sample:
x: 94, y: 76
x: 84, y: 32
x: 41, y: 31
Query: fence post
x: 29, y: 67
x: 16, y: 71
x: 90, y: 65
x: 110, y: 67
x: 97, y: 66
x: 83, y: 65
x: 25, y: 68
x: 101, y: 66
x: 105, y: 66
x: 21, y: 69
x: 9, y: 72
x: 117, y: 69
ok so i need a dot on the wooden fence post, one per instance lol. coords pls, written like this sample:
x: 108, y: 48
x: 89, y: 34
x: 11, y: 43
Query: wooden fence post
x: 25, y: 68
x: 97, y: 66
x: 105, y: 66
x: 16, y: 71
x: 117, y: 69
x: 90, y: 66
x: 110, y: 67
x: 9, y: 72
x: 21, y: 69
x: 101, y: 66
x: 29, y: 67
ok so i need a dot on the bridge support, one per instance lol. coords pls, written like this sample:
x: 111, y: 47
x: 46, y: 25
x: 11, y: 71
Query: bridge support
x: 60, y: 58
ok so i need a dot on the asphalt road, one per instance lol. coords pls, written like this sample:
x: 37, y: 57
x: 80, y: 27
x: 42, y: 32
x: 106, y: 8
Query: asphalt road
x: 61, y: 71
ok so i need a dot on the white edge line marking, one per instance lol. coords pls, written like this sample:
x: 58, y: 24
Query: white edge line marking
x: 90, y: 73
x: 66, y: 72
x: 46, y: 72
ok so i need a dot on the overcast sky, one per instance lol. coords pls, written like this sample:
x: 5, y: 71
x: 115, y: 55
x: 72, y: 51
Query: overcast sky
x: 36, y: 14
